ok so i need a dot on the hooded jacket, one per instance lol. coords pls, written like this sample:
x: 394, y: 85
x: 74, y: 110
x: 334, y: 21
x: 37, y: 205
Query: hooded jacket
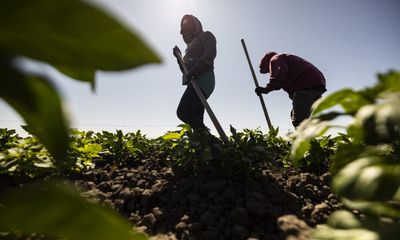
x: 201, y: 51
x: 293, y: 73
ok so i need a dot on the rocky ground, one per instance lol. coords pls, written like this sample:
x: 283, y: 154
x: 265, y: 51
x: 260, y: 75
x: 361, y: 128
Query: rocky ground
x: 172, y: 204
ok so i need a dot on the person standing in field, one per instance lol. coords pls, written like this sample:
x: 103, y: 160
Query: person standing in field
x: 299, y: 78
x: 199, y: 61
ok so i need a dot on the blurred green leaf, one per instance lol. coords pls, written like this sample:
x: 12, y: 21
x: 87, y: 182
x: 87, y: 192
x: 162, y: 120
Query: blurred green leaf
x: 37, y: 101
x: 345, y: 153
x: 344, y: 181
x: 367, y: 178
x: 91, y: 148
x: 87, y: 75
x: 381, y: 122
x: 330, y: 115
x: 375, y: 208
x: 171, y: 135
x: 390, y: 81
x: 54, y: 210
x: 343, y: 219
x: 356, y: 133
x: 349, y: 99
x: 74, y: 36
x: 308, y: 130
x: 324, y: 232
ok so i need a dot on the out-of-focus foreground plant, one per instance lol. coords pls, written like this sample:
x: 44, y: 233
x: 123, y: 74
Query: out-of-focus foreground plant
x: 366, y: 164
x: 76, y: 38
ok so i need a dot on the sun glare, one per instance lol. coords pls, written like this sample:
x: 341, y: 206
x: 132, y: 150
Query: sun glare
x: 179, y: 7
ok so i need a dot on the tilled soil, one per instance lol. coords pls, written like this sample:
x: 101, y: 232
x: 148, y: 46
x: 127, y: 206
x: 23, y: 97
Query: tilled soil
x: 172, y: 204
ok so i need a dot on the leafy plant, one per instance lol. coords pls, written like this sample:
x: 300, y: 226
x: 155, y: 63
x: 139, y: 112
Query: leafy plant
x: 189, y: 148
x: 245, y: 152
x: 75, y: 218
x: 121, y: 147
x: 366, y: 166
x: 76, y: 38
x: 7, y: 137
x: 82, y: 150
x: 26, y: 158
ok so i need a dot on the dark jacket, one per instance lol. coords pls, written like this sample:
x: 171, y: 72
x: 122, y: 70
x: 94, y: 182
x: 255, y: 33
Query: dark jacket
x: 201, y: 52
x: 293, y: 73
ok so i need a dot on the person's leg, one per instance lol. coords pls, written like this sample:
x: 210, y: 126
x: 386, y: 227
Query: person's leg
x: 206, y: 82
x: 184, y: 108
x: 190, y: 109
x: 302, y: 102
x: 198, y: 115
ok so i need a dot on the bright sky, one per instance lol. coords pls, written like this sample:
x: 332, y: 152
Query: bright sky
x: 349, y: 41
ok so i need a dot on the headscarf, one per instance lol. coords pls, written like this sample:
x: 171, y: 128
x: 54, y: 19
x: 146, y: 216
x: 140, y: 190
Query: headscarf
x: 190, y: 28
x: 264, y: 65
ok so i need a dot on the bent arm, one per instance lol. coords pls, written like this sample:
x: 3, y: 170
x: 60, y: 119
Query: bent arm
x: 206, y: 61
x: 278, y: 73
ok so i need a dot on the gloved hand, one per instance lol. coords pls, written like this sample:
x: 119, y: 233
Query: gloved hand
x: 261, y: 90
x: 176, y: 51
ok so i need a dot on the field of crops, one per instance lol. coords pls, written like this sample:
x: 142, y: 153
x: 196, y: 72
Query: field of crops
x: 187, y: 184
x: 190, y: 185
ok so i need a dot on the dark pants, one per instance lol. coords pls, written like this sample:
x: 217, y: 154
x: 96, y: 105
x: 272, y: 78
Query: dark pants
x: 190, y: 109
x: 302, y: 101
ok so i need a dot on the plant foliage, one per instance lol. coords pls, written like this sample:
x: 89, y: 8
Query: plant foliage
x: 73, y: 36
x: 76, y: 38
x: 366, y: 163
x: 246, y: 151
x: 75, y: 218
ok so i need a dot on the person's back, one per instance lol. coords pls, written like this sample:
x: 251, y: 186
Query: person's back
x: 200, y: 54
x: 295, y: 73
x: 304, y: 82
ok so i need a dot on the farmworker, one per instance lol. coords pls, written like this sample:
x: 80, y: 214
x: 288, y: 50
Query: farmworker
x: 199, y: 61
x: 299, y: 78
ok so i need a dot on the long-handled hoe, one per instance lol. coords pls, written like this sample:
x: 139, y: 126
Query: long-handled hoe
x: 203, y: 100
x: 256, y: 83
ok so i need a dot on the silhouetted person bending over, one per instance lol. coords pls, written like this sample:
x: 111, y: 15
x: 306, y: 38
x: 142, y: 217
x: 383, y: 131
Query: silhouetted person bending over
x: 300, y: 79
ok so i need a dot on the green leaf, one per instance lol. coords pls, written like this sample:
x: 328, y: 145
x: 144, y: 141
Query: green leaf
x: 185, y: 127
x: 74, y: 36
x: 330, y: 115
x: 343, y: 219
x: 324, y: 232
x: 308, y: 130
x: 85, y: 75
x: 344, y: 181
x: 53, y: 209
x: 374, y: 208
x: 368, y: 179
x: 356, y: 133
x: 274, y: 131
x: 378, y: 182
x: 390, y: 81
x: 233, y: 130
x: 330, y: 100
x: 349, y: 99
x: 345, y: 154
x: 45, y: 163
x: 354, y: 101
x: 171, y: 135
x: 37, y: 101
x: 92, y: 148
x: 381, y: 122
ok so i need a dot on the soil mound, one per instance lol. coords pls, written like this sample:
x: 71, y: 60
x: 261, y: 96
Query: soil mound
x: 171, y: 203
